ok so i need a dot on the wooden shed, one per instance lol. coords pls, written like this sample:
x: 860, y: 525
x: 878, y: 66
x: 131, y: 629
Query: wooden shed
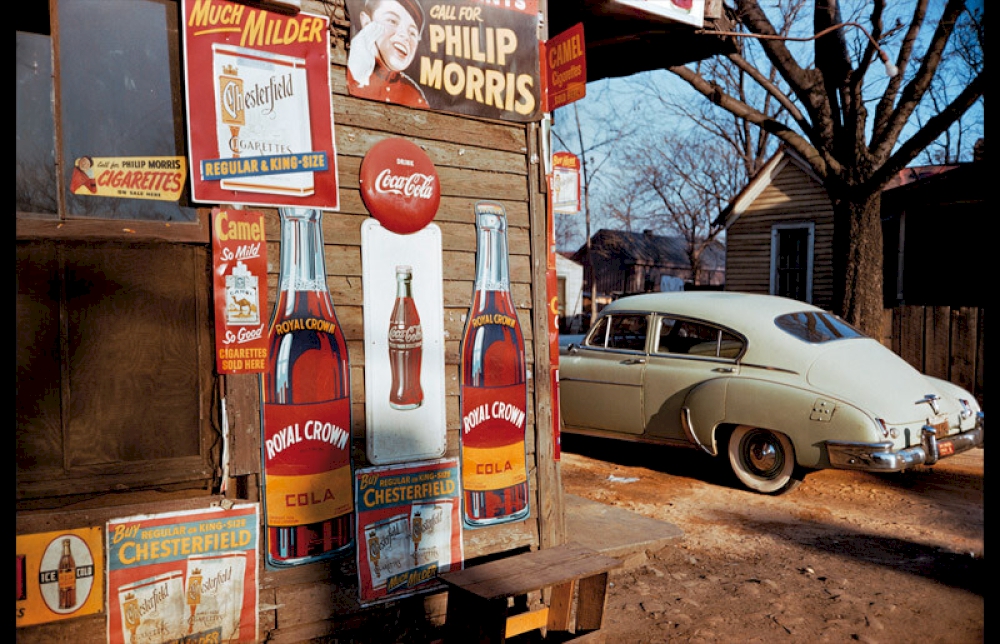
x: 124, y: 418
x: 927, y: 209
x: 779, y: 233
x: 626, y: 263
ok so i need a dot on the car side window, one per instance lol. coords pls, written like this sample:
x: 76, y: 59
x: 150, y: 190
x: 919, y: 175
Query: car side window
x: 694, y: 338
x: 628, y: 332
x: 598, y: 337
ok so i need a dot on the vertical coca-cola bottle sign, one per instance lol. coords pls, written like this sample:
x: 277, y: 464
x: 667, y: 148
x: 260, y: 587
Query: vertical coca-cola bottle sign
x: 306, y: 407
x: 406, y: 341
x: 493, y: 387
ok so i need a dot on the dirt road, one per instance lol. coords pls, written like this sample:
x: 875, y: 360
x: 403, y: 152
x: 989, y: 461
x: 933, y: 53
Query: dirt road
x: 888, y: 558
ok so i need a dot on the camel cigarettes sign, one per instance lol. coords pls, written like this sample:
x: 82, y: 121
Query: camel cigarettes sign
x: 239, y: 258
x: 564, y: 68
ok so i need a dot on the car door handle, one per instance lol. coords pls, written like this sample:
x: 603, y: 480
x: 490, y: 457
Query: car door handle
x: 634, y: 361
x: 724, y: 370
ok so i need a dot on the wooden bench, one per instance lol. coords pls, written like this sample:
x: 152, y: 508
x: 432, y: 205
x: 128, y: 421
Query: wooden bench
x: 479, y: 610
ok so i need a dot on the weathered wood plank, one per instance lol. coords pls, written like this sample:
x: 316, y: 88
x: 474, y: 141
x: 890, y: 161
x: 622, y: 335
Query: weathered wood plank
x: 590, y: 603
x: 980, y: 352
x: 937, y: 341
x: 886, y: 337
x: 911, y: 336
x: 521, y: 574
x: 963, y: 341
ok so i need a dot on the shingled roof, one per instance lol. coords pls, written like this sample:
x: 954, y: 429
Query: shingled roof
x: 645, y: 248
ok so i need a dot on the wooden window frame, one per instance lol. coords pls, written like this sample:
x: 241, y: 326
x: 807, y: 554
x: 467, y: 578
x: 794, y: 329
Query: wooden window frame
x: 199, y: 469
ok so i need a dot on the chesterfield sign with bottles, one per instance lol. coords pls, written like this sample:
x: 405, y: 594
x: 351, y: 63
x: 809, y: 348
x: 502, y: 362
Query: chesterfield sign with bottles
x: 260, y: 114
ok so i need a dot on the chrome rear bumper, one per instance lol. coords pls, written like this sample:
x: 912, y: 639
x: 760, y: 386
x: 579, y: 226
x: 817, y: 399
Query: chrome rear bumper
x: 879, y: 457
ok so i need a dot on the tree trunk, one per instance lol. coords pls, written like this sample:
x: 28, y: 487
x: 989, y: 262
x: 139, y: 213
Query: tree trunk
x: 858, y: 275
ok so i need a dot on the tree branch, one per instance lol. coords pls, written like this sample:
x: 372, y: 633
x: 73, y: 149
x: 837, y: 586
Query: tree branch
x: 915, y: 89
x: 771, y: 89
x: 927, y: 134
x: 822, y: 164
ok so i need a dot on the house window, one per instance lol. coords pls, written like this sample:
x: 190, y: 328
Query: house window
x: 115, y: 383
x: 792, y: 260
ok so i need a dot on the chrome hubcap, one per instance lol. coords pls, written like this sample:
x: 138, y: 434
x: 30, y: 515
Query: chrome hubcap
x: 762, y: 454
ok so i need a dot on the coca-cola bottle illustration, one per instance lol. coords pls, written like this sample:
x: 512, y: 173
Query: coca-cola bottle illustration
x: 406, y: 343
x: 493, y: 387
x: 306, y: 407
x: 67, y: 577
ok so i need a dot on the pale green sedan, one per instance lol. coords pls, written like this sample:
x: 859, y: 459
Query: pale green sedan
x: 776, y: 386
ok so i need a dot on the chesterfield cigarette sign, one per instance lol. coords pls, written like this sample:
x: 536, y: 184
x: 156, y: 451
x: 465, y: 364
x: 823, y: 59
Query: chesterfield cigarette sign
x: 260, y: 116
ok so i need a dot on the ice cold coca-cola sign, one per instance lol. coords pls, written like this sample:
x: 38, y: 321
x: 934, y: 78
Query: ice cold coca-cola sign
x: 400, y: 186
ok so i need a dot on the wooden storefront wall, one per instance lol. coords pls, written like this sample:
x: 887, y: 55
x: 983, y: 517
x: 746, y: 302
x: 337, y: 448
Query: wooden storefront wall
x: 476, y: 159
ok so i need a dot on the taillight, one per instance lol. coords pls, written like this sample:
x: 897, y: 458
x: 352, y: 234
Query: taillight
x: 887, y: 432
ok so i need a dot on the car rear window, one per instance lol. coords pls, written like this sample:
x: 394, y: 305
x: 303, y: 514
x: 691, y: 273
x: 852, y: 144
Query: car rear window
x: 816, y: 327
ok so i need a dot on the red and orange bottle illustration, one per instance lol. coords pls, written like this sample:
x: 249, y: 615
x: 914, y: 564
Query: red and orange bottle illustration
x: 493, y: 386
x: 306, y: 407
x: 406, y: 342
x: 67, y: 577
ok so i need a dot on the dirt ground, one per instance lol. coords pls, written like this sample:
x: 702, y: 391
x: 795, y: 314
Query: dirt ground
x: 846, y: 557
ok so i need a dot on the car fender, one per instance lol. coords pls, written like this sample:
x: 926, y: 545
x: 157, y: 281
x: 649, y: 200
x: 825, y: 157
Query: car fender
x: 703, y: 411
x: 807, y: 417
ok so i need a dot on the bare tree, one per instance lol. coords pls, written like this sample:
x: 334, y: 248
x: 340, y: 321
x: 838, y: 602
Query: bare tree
x: 748, y: 77
x: 825, y: 114
x: 686, y: 182
x: 623, y: 201
x: 592, y: 137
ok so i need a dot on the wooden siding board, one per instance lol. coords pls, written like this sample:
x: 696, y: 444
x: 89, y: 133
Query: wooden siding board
x: 310, y: 604
x: 980, y: 347
x: 911, y: 336
x: 937, y: 324
x: 963, y: 355
x: 792, y: 196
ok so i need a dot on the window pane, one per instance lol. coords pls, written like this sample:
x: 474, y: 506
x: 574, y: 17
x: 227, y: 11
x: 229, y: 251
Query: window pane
x: 730, y: 346
x: 120, y: 95
x: 600, y: 331
x: 628, y: 332
x: 37, y: 399
x: 816, y: 327
x: 135, y: 369
x: 666, y: 328
x: 36, y: 160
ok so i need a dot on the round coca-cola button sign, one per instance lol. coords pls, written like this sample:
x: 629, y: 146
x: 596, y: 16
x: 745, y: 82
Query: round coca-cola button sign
x: 400, y: 186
